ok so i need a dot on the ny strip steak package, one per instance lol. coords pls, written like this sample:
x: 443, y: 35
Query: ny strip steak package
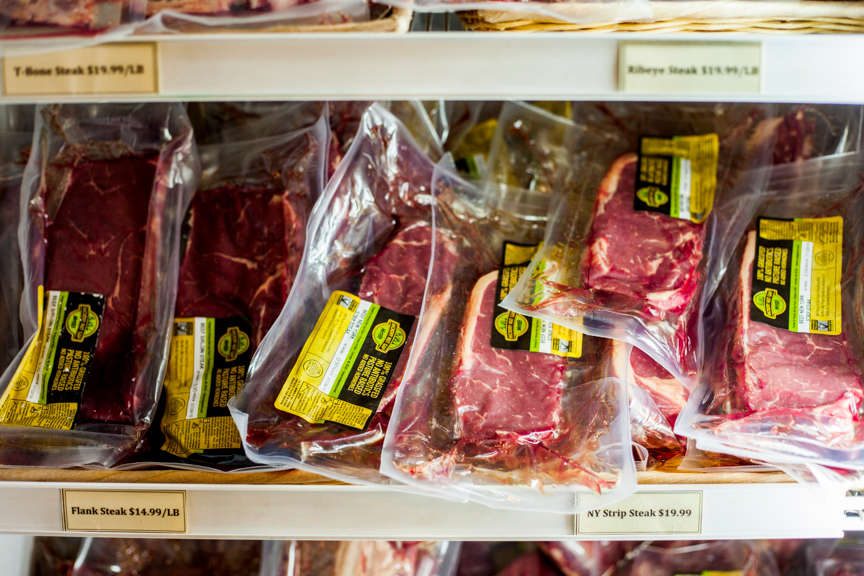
x: 244, y: 235
x: 322, y: 384
x: 500, y: 409
x: 360, y: 558
x: 628, y: 247
x: 677, y: 558
x: 103, y: 198
x: 784, y: 379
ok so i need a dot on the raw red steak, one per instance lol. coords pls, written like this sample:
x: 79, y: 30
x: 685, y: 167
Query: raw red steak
x: 659, y: 274
x: 95, y: 243
x: 668, y: 393
x: 242, y: 254
x: 394, y: 278
x: 779, y: 369
x: 83, y: 14
x: 499, y: 393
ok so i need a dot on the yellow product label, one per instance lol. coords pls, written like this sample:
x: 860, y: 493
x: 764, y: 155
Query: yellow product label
x: 207, y: 366
x: 46, y: 387
x: 797, y: 274
x: 345, y: 365
x: 512, y: 331
x: 108, y: 69
x: 678, y: 176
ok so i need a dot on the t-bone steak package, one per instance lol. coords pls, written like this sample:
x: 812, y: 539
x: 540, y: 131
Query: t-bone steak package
x: 104, y: 194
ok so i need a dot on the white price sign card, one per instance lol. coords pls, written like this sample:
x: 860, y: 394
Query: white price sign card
x: 108, y: 69
x: 142, y: 511
x: 646, y: 513
x: 690, y: 67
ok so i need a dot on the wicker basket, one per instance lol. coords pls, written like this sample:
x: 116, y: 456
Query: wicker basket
x: 769, y: 16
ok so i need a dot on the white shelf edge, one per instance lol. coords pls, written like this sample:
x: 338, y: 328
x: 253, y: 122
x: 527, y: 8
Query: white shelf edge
x: 465, y: 65
x: 730, y: 511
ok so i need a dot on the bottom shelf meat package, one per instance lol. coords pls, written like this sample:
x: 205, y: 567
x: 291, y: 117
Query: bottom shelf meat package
x: 785, y: 381
x: 498, y: 405
x: 322, y: 383
x: 359, y: 558
x: 245, y: 234
x: 105, y: 190
x: 679, y: 558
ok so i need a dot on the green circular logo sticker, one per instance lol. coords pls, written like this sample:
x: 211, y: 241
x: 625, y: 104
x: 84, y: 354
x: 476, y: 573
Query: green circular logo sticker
x: 232, y: 344
x: 652, y: 196
x: 770, y: 303
x: 511, y: 325
x: 82, y: 323
x: 388, y: 336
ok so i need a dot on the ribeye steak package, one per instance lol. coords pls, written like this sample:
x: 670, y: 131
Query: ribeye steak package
x: 105, y: 190
x: 628, y: 247
x: 784, y: 379
x: 501, y: 409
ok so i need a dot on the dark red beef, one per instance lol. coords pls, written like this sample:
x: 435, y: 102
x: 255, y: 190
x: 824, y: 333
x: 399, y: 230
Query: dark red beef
x: 243, y: 251
x: 95, y: 243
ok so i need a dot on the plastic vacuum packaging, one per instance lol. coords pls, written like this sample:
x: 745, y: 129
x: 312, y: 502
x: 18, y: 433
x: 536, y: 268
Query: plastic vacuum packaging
x: 245, y: 233
x: 161, y: 557
x: 835, y: 558
x: 360, y: 558
x: 213, y: 15
x: 497, y: 408
x: 576, y: 558
x: 322, y: 384
x: 720, y: 557
x: 650, y: 173
x: 103, y: 198
x: 783, y: 381
x: 28, y: 19
x: 15, y: 140
x: 53, y: 556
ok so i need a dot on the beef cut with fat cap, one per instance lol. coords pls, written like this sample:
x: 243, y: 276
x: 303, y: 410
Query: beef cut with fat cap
x: 789, y: 370
x: 503, y: 393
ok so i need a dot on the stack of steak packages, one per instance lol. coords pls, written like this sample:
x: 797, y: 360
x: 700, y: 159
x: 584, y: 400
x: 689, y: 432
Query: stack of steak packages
x: 499, y: 408
x: 656, y: 249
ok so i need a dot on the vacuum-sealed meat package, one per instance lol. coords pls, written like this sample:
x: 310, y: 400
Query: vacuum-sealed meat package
x: 14, y: 149
x: 161, y: 557
x: 628, y: 246
x: 677, y: 558
x: 245, y: 233
x: 322, y: 383
x: 499, y: 408
x: 215, y: 15
x: 104, y: 194
x: 360, y: 558
x: 27, y: 19
x: 784, y: 379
